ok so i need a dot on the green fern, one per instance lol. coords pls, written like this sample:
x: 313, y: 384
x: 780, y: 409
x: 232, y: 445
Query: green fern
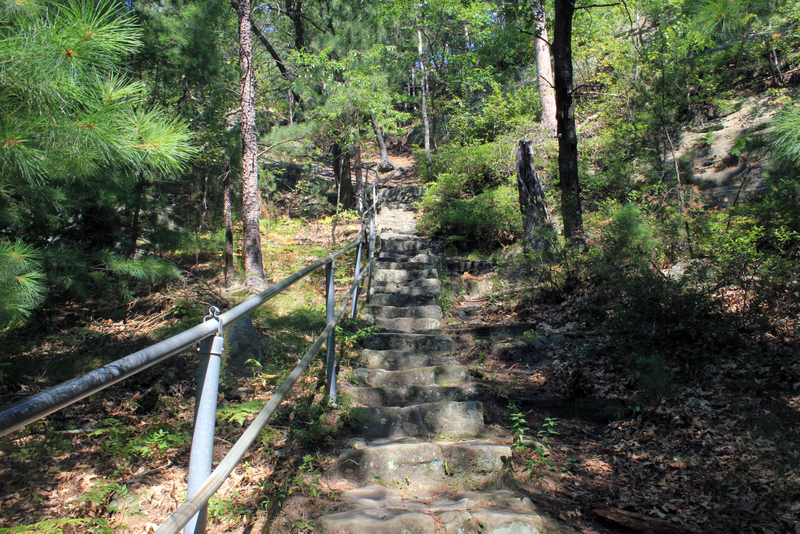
x: 237, y: 413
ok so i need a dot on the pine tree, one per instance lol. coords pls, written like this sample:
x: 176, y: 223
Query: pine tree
x: 75, y: 132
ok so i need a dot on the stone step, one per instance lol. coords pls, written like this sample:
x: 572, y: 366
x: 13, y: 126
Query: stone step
x: 395, y: 360
x: 426, y: 343
x: 405, y: 265
x: 401, y: 299
x: 414, y: 312
x: 424, y: 286
x: 440, y: 375
x: 407, y: 324
x: 442, y: 419
x: 420, y: 465
x: 376, y: 509
x: 408, y: 396
x: 407, y: 245
x: 411, y: 257
x: 403, y: 275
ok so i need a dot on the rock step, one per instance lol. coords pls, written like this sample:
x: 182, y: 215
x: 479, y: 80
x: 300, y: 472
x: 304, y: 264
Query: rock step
x: 405, y: 245
x: 376, y: 509
x: 406, y: 324
x: 398, y: 229
x: 424, y: 286
x: 440, y: 419
x: 426, y: 343
x: 405, y: 265
x: 440, y: 375
x: 400, y: 291
x: 401, y: 299
x: 402, y: 275
x: 395, y: 360
x: 413, y: 312
x: 413, y: 465
x: 412, y: 257
x: 408, y: 396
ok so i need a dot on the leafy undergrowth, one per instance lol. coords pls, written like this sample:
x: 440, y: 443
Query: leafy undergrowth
x: 609, y: 419
x: 117, y: 460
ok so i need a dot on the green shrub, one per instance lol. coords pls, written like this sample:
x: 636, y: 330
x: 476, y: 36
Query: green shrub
x: 482, y: 166
x: 483, y: 222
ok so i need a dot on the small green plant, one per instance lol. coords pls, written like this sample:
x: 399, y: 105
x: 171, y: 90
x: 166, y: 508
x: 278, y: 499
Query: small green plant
x: 57, y: 526
x: 238, y: 413
x: 519, y: 428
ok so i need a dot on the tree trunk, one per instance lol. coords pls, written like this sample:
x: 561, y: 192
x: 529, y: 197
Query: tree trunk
x: 341, y: 172
x: 545, y: 72
x: 227, y: 212
x: 426, y: 126
x: 251, y: 198
x: 294, y: 10
x: 386, y: 164
x: 359, y: 178
x: 565, y: 119
x: 536, y: 221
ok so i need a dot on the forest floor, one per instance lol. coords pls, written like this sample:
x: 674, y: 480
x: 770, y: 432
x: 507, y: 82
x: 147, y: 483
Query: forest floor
x: 704, y: 445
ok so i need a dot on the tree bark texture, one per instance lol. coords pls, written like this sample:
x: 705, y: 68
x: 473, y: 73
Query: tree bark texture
x: 426, y: 125
x: 536, y: 221
x: 547, y: 93
x: 341, y: 172
x: 228, y: 213
x: 386, y: 164
x: 565, y: 119
x: 251, y: 197
x: 294, y: 10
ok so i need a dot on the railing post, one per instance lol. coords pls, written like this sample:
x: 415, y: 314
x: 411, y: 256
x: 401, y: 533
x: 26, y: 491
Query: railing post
x: 371, y: 254
x: 330, y: 313
x: 205, y: 415
x: 355, y: 277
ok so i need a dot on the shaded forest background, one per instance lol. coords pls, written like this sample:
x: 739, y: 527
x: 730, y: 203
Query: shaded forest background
x: 121, y: 133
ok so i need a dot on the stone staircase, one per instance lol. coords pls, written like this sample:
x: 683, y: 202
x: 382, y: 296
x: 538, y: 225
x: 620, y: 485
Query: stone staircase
x: 423, y: 463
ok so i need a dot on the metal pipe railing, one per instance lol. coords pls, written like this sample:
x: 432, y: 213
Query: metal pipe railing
x: 46, y: 402
x: 188, y: 509
x: 202, y: 482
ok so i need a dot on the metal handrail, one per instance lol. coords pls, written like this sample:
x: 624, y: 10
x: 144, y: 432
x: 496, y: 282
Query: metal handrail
x: 191, y: 507
x: 36, y: 406
x: 202, y: 483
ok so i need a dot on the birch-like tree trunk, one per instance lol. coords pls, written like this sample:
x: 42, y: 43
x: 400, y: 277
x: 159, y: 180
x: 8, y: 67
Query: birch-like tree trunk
x: 423, y: 70
x: 227, y: 210
x: 385, y: 164
x: 251, y: 198
x: 544, y: 70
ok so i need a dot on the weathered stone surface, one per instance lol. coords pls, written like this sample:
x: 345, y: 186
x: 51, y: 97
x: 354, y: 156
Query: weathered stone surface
x: 409, y: 325
x: 401, y: 465
x: 242, y: 343
x: 402, y: 275
x: 416, y: 312
x: 498, y: 499
x: 510, y: 522
x: 409, y: 297
x: 443, y: 375
x: 423, y: 286
x: 400, y: 359
x: 425, y: 343
x: 407, y: 396
x: 404, y: 265
x: 478, y: 459
x: 441, y: 419
x: 405, y: 245
x: 377, y: 520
